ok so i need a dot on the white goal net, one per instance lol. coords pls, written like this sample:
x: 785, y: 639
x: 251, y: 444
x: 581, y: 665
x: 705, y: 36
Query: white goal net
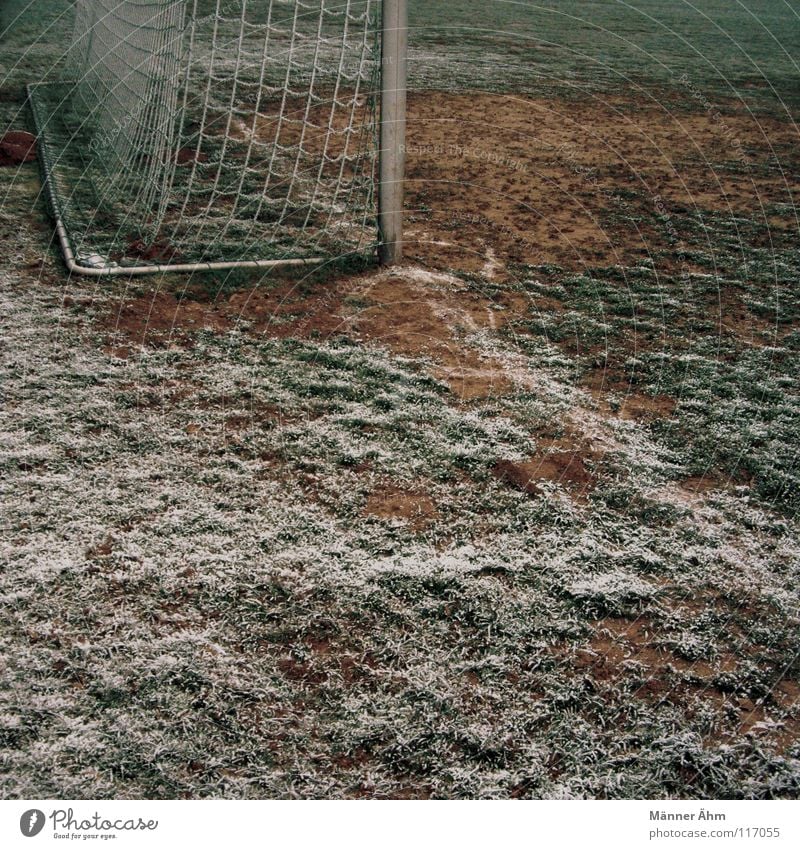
x: 215, y: 131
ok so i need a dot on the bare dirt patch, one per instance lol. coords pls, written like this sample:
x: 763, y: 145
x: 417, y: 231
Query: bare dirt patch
x: 636, y: 406
x: 393, y: 502
x: 617, y: 641
x: 160, y: 319
x: 709, y: 482
x: 492, y: 181
x: 416, y: 314
x: 735, y: 320
x: 409, y: 311
x: 160, y: 251
x: 496, y: 179
x: 294, y: 121
x: 619, y: 645
x: 563, y: 461
x: 512, y: 179
x: 647, y: 407
x: 682, y: 681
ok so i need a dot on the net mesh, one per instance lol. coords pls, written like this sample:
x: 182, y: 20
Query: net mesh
x: 215, y: 130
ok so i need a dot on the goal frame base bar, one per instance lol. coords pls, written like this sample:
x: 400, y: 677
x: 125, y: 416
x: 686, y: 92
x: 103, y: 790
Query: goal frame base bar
x: 75, y: 265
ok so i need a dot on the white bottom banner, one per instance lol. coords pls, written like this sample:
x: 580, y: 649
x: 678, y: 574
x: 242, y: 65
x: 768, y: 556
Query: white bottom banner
x: 400, y: 824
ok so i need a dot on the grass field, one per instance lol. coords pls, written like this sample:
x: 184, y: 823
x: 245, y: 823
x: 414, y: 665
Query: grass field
x: 518, y: 519
x: 741, y: 50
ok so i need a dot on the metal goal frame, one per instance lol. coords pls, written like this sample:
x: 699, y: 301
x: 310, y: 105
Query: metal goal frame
x: 391, y: 170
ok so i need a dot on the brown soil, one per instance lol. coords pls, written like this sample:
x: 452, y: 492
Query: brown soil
x: 565, y: 468
x: 534, y: 180
x: 495, y: 180
x: 647, y: 407
x: 411, y: 317
x: 414, y: 317
x: 392, y: 502
x: 735, y: 320
x: 295, y: 122
x: 189, y: 156
x: 601, y: 382
x: 706, y: 483
x: 153, y: 252
x: 562, y: 460
x: 159, y: 319
x: 619, y: 641
x: 16, y: 148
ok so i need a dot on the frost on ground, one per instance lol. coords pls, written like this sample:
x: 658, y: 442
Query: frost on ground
x: 518, y: 521
x: 198, y: 602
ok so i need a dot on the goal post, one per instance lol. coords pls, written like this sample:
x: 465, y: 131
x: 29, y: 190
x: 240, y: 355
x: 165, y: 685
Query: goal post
x: 210, y: 134
x: 394, y: 75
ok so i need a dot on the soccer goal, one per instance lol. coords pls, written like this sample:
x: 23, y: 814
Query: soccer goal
x: 212, y: 134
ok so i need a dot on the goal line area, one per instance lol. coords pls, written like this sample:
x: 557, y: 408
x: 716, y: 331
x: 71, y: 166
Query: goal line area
x: 190, y: 134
